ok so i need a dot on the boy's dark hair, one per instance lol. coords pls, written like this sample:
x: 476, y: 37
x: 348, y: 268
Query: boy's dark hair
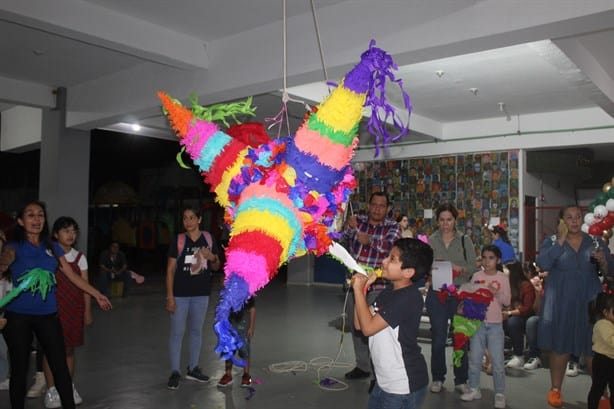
x: 604, y: 301
x: 63, y: 222
x: 415, y: 254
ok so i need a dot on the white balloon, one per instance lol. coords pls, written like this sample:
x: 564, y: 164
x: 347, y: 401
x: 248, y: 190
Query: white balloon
x: 589, y: 219
x: 584, y: 228
x: 610, y: 205
x: 600, y: 212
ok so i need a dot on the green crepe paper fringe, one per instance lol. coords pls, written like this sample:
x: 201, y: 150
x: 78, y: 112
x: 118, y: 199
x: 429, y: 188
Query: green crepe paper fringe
x: 335, y: 136
x: 219, y: 112
x: 180, y: 159
x: 34, y: 280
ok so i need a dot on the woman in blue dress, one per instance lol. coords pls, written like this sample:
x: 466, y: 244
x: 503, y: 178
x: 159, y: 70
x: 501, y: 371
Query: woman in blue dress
x: 573, y: 260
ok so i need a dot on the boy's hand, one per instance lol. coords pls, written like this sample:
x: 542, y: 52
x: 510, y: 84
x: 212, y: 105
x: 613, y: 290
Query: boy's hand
x: 359, y: 281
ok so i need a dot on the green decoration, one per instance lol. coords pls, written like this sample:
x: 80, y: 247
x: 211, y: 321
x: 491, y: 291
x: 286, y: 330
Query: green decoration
x: 34, y: 280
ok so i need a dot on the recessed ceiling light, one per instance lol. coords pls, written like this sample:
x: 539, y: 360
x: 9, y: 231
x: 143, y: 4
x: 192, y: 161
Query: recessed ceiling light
x: 439, y: 73
x: 474, y: 91
x: 136, y: 127
x: 38, y: 53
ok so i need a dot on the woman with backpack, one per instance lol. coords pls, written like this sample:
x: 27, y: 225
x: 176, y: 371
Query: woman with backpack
x: 192, y: 256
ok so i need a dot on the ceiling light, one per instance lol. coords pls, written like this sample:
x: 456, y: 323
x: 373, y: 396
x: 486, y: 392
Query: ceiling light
x: 474, y: 91
x: 439, y: 73
x: 136, y: 127
x: 38, y: 53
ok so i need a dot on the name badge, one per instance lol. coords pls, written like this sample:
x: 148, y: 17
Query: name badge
x: 190, y: 259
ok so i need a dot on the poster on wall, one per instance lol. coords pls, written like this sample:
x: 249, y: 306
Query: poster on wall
x: 482, y: 185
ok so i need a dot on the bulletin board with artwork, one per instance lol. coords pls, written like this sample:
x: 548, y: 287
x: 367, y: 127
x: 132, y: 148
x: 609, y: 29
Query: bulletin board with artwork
x: 483, y: 186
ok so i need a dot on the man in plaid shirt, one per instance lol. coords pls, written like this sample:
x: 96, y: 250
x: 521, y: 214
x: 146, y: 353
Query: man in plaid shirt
x: 370, y: 238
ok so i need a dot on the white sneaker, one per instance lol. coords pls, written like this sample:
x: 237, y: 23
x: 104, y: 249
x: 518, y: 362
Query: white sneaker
x: 572, y: 369
x: 436, y: 386
x: 499, y: 401
x: 472, y: 394
x: 75, y: 396
x: 4, y: 385
x: 52, y: 398
x: 39, y: 386
x: 516, y: 362
x: 462, y: 388
x: 533, y: 363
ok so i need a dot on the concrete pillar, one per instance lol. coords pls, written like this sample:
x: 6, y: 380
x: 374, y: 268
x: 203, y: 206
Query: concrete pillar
x: 65, y: 168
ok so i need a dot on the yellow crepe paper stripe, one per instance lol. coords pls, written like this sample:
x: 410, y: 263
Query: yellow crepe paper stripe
x: 222, y: 189
x: 273, y: 225
x: 342, y: 110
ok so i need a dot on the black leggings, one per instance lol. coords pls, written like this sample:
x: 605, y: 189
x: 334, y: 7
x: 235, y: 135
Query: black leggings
x: 603, y: 374
x: 18, y: 333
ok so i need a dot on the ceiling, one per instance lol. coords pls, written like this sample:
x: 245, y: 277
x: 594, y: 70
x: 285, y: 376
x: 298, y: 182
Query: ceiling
x: 511, y: 73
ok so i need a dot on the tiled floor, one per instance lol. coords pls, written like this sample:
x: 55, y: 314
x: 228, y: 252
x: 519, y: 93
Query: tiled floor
x: 124, y: 363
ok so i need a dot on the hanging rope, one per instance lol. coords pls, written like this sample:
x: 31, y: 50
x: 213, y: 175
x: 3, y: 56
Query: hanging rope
x: 282, y: 116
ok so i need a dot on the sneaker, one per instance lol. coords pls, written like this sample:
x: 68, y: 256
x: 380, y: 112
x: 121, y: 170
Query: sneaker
x: 554, y: 398
x: 196, y: 375
x: 516, y: 362
x: 436, y: 386
x: 472, y: 394
x: 533, y: 363
x: 357, y: 373
x: 225, y: 380
x: 572, y: 369
x: 246, y: 381
x: 499, y: 401
x: 463, y: 388
x: 39, y: 386
x: 173, y: 381
x: 52, y: 398
x: 75, y: 396
x: 4, y: 385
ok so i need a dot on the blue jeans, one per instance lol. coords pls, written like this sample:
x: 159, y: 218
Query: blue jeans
x: 190, y: 311
x: 515, y: 327
x: 531, y: 331
x: 491, y: 336
x: 378, y: 399
x: 439, y: 314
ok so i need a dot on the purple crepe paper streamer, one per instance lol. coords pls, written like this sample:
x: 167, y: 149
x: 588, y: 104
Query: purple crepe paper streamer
x: 232, y: 297
x: 370, y: 76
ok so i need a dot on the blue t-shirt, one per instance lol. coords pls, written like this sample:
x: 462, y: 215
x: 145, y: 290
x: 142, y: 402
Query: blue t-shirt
x: 28, y: 257
x: 507, y: 251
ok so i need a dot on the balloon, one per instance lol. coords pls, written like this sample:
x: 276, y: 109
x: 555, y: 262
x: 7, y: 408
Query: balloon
x: 602, y: 197
x: 606, y: 187
x: 610, y: 204
x: 611, y: 193
x: 606, y: 234
x: 600, y: 212
x: 584, y: 228
x: 595, y: 229
x: 592, y: 206
x: 589, y: 218
x: 608, y: 221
